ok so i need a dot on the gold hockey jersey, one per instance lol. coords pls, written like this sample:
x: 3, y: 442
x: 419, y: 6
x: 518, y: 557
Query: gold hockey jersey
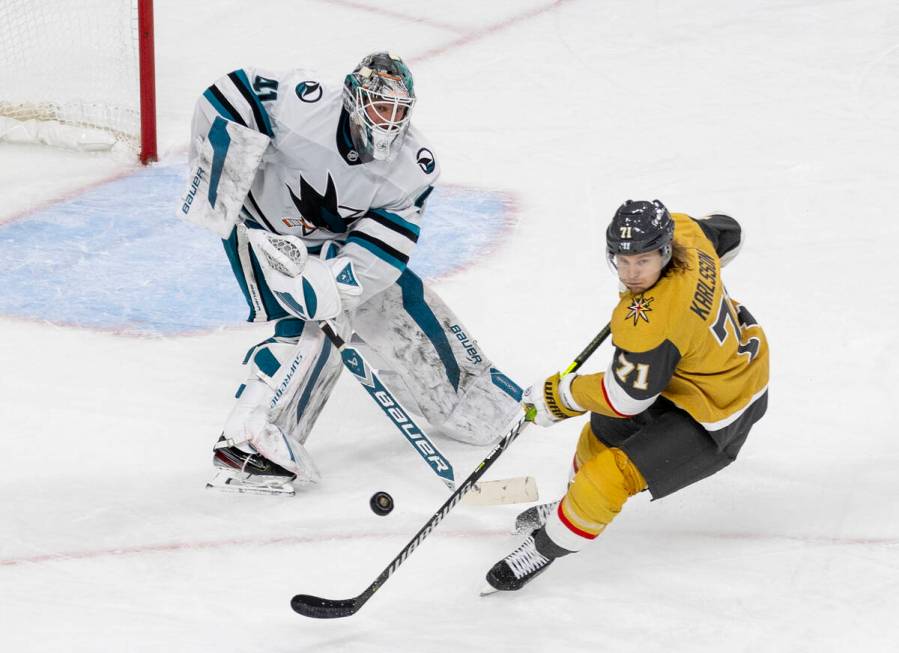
x: 685, y: 339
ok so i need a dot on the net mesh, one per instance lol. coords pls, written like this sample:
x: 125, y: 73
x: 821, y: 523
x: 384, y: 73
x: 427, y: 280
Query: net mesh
x: 73, y: 63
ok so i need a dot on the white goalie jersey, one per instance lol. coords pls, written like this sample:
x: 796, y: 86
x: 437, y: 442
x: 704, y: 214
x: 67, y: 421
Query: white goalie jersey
x: 309, y: 183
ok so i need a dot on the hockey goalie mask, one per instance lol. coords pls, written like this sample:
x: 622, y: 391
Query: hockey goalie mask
x: 379, y: 96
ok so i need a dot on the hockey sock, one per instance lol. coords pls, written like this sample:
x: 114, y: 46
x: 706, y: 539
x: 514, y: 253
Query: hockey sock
x: 596, y: 496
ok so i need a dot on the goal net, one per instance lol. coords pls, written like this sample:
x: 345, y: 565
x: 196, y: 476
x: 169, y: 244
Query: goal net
x: 78, y: 75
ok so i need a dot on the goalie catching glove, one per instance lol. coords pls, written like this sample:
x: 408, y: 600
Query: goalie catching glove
x: 551, y: 401
x: 310, y: 288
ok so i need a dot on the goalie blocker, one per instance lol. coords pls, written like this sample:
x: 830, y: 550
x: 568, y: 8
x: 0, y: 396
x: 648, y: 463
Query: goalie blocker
x: 222, y: 169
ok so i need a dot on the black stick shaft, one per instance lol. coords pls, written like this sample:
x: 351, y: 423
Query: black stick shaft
x: 312, y: 606
x: 589, y: 349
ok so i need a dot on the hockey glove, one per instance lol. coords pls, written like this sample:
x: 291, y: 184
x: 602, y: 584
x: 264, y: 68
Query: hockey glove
x: 342, y: 268
x: 307, y: 287
x: 550, y: 401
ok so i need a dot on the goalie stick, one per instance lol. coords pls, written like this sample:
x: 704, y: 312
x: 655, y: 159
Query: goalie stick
x: 287, y: 261
x: 319, y: 608
x: 367, y: 376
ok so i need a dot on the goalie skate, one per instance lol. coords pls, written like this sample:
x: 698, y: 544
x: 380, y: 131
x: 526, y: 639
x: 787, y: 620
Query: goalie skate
x: 246, y: 473
x: 240, y: 482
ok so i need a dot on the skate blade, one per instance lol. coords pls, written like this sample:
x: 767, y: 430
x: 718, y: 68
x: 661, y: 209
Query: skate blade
x: 224, y: 481
x: 488, y: 589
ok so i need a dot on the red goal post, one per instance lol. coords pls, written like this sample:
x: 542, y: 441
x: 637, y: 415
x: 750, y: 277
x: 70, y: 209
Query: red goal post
x: 79, y: 75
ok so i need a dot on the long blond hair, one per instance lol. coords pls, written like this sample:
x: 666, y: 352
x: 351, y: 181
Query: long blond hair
x: 680, y: 258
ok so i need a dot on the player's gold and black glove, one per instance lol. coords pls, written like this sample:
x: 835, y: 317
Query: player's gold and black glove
x: 550, y: 401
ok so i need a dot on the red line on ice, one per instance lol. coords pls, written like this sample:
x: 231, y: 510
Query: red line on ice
x: 394, y: 14
x: 490, y: 30
x: 177, y: 547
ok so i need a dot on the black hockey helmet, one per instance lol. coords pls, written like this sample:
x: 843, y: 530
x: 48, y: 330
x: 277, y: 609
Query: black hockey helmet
x: 639, y: 227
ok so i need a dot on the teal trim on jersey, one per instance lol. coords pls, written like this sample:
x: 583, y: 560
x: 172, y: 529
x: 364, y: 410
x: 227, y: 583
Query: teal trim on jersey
x: 220, y: 141
x: 333, y: 251
x: 398, y: 221
x: 313, y: 378
x: 267, y: 123
x: 240, y: 391
x: 377, y: 251
x: 218, y: 106
x: 310, y: 298
x: 345, y: 132
x: 266, y: 362
x: 230, y: 245
x: 421, y: 198
x: 415, y: 305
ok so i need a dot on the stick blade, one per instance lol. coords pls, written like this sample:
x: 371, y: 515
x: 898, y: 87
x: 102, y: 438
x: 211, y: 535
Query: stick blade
x: 521, y: 489
x: 318, y: 608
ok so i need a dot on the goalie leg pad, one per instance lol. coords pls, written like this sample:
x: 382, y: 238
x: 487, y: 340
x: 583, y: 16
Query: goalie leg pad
x: 290, y: 378
x: 453, y: 383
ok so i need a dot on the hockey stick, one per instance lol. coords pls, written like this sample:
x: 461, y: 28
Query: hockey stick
x: 286, y: 257
x: 319, y: 608
x: 355, y: 362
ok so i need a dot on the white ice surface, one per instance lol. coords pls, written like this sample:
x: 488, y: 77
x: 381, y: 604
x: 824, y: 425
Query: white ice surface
x: 781, y: 113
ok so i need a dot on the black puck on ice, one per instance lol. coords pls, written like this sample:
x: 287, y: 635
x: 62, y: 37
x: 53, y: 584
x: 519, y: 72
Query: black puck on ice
x: 381, y: 503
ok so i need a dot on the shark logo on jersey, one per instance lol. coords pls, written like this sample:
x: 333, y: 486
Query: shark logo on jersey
x: 322, y: 210
x: 309, y: 91
x: 426, y: 160
x: 299, y: 223
x: 640, y: 309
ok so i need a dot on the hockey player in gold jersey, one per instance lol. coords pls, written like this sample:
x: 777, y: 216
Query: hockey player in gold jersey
x: 688, y: 379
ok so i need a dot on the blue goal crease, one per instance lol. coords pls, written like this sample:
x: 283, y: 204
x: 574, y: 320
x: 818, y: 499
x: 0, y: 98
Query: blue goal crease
x: 103, y: 260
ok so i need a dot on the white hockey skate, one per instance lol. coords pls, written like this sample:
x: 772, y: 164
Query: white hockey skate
x: 248, y: 473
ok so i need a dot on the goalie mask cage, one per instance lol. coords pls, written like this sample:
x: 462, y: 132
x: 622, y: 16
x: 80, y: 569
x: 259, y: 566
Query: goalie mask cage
x: 79, y: 75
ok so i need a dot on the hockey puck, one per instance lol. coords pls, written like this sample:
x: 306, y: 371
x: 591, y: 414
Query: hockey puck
x: 381, y: 503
